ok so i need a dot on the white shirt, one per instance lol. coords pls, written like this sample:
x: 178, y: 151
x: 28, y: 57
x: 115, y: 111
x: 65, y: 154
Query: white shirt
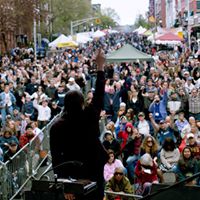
x: 44, y: 113
x: 7, y: 99
x: 189, y: 87
x: 74, y: 86
x: 143, y: 128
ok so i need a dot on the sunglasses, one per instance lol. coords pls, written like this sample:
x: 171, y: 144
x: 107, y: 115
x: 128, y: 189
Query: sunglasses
x: 149, y: 141
x: 118, y: 173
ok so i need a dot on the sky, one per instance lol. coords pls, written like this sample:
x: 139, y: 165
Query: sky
x: 127, y: 10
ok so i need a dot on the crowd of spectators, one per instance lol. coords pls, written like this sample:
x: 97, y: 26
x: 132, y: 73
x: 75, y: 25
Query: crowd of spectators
x: 151, y: 116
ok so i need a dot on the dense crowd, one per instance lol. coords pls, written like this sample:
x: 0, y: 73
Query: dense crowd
x: 150, y: 120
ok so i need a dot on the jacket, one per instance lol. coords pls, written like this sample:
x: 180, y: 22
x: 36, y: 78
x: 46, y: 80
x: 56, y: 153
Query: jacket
x: 74, y: 140
x: 3, y: 98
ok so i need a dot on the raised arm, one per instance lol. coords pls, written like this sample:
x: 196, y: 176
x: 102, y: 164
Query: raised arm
x: 100, y: 82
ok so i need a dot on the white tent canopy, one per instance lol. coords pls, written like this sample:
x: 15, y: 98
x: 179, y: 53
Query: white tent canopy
x: 61, y: 39
x: 110, y: 31
x: 98, y: 34
x: 82, y: 38
x: 140, y: 30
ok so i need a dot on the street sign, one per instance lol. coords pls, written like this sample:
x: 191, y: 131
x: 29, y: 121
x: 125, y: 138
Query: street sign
x: 97, y: 21
x: 152, y: 19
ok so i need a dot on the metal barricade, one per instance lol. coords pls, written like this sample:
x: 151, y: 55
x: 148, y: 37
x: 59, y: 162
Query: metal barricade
x: 24, y: 165
x: 3, y: 180
x: 110, y: 195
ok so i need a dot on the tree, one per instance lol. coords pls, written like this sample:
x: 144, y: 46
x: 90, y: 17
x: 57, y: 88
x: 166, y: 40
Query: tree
x: 65, y: 11
x: 111, y: 13
x: 7, y: 21
x: 108, y: 18
x: 141, y: 21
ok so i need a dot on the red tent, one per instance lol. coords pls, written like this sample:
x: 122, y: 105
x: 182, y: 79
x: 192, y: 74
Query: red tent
x: 169, y: 37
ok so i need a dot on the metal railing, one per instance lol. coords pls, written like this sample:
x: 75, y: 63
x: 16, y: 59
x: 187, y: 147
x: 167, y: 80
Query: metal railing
x: 112, y: 195
x: 24, y: 165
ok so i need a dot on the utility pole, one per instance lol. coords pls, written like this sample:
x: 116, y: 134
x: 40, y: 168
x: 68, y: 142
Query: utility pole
x: 188, y: 27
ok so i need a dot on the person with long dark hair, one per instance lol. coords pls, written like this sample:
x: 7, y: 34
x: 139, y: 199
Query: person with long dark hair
x: 169, y: 155
x: 75, y: 137
x: 187, y: 166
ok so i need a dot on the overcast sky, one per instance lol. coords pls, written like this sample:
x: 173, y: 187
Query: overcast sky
x: 126, y: 9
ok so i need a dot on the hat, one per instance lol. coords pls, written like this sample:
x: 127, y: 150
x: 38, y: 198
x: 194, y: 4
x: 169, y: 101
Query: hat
x: 108, y: 132
x: 122, y: 104
x: 162, y: 121
x: 141, y: 114
x: 54, y: 103
x: 172, y: 92
x: 189, y: 78
x: 71, y: 79
x: 190, y: 135
x: 128, y: 124
x: 146, y: 160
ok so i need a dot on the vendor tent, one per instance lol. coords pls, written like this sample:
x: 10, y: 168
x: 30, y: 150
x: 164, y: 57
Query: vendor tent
x: 61, y: 39
x: 147, y: 33
x: 98, y: 34
x: 70, y: 43
x: 140, y: 30
x: 82, y: 38
x: 169, y: 37
x: 128, y: 53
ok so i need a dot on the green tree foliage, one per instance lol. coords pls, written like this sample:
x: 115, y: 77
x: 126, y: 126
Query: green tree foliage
x: 65, y: 11
x: 141, y: 21
x: 108, y: 18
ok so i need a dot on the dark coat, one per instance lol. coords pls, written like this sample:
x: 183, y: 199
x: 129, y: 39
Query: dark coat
x: 75, y: 137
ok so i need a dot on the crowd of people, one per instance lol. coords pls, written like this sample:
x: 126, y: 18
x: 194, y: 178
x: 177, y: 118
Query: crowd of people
x: 150, y: 119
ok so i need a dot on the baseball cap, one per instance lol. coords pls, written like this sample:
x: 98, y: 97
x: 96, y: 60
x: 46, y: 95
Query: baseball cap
x: 173, y: 92
x: 122, y: 104
x: 162, y: 121
x: 71, y: 79
x: 186, y: 72
x: 54, y: 102
x: 190, y: 135
x: 141, y: 114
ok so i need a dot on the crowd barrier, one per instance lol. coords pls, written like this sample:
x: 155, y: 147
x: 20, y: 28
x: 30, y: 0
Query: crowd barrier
x: 121, y: 196
x: 17, y: 172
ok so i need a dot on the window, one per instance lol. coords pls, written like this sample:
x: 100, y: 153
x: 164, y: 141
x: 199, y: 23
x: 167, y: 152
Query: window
x: 198, y: 5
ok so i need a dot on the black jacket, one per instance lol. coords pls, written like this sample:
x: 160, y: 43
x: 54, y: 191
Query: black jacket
x: 75, y: 137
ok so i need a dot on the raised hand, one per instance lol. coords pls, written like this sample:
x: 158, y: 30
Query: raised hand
x: 100, y: 60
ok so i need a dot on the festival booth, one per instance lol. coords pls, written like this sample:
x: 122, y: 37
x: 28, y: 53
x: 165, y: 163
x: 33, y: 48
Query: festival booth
x: 140, y: 30
x: 127, y: 53
x: 98, y: 34
x: 61, y: 39
x: 169, y: 38
x: 147, y: 33
x: 70, y: 43
x: 83, y: 38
